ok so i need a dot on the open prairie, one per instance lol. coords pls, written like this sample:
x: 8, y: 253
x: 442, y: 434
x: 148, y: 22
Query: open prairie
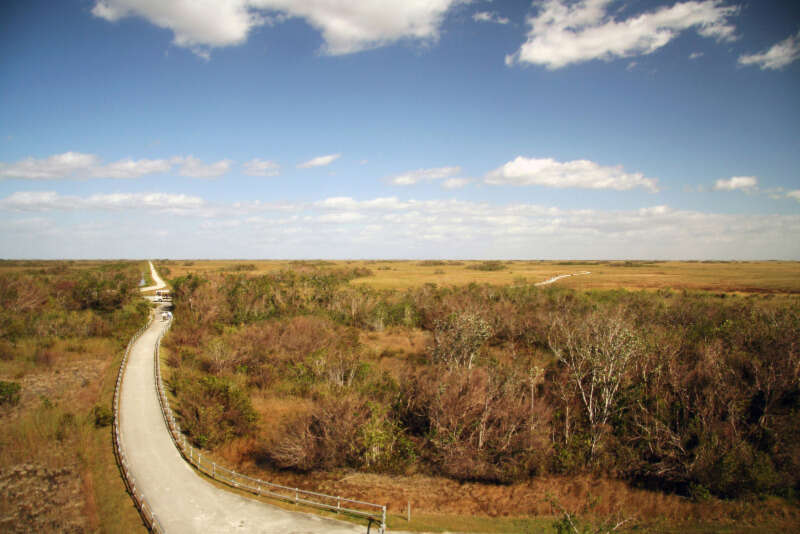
x: 744, y: 277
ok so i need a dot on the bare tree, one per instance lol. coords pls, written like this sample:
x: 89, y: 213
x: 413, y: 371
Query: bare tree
x: 597, y: 351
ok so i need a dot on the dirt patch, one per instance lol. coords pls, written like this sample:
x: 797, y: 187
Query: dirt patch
x: 78, y: 381
x: 34, y: 498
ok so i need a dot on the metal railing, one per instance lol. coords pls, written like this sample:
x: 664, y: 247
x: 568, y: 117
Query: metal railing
x: 369, y: 511
x: 146, y: 512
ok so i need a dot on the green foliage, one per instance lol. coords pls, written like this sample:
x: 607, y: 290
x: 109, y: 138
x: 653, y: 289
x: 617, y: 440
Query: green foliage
x: 9, y: 393
x: 102, y: 416
x: 488, y: 266
x: 213, y: 409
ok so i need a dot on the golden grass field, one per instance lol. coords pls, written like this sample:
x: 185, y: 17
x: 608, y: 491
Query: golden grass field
x: 745, y: 277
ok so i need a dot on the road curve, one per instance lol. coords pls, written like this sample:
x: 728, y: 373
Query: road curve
x: 557, y: 278
x: 181, y: 499
x: 159, y: 283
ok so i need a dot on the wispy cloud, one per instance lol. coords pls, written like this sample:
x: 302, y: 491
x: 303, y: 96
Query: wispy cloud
x: 744, y: 183
x: 564, y: 33
x: 777, y: 57
x: 261, y: 167
x: 582, y: 174
x: 424, y: 175
x: 319, y: 161
x: 52, y: 167
x: 80, y: 166
x: 392, y: 227
x: 195, y: 168
x: 487, y: 16
x: 50, y: 200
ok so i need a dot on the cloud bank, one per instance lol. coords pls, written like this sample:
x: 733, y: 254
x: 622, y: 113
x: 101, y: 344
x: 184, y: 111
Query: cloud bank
x: 385, y: 227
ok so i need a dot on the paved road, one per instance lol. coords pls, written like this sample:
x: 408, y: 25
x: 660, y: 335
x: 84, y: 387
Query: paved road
x: 181, y: 500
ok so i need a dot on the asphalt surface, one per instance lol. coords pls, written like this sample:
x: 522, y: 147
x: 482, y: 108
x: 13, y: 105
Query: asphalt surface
x: 181, y: 499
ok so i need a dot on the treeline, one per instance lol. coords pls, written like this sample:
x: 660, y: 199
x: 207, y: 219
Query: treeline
x: 688, y: 392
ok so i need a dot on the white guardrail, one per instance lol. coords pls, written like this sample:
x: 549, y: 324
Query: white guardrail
x: 369, y: 511
x: 149, y: 517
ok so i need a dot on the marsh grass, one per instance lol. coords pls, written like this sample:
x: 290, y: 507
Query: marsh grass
x: 746, y: 277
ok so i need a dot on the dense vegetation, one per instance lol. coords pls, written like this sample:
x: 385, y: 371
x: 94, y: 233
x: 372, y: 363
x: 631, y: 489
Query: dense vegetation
x: 690, y: 392
x: 63, y: 325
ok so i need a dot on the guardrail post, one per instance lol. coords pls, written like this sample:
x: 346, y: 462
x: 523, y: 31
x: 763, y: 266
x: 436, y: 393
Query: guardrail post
x: 295, y: 495
x: 383, y: 519
x: 338, y: 503
x: 214, y: 469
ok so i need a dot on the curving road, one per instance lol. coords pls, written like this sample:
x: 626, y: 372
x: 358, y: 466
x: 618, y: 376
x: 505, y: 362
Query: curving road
x: 182, y: 500
x: 549, y: 280
x: 157, y: 279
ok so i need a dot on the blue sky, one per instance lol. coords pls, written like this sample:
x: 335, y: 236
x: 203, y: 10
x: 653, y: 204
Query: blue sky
x: 437, y: 129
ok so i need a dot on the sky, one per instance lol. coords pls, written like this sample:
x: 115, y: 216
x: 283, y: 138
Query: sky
x: 552, y: 129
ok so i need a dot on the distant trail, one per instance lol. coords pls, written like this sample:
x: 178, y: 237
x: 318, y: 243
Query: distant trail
x: 559, y: 277
x: 183, y: 500
x: 157, y: 279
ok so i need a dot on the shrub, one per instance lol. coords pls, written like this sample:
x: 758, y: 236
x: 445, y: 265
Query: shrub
x: 213, y: 409
x: 9, y: 393
x: 487, y: 266
x: 102, y: 416
x: 457, y: 340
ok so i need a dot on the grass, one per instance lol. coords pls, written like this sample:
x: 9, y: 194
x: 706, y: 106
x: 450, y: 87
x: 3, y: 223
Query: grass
x: 745, y: 277
x: 66, y: 461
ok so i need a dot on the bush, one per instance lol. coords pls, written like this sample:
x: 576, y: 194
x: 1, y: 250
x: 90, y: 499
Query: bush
x: 487, y: 266
x: 213, y: 409
x: 9, y: 393
x: 457, y: 340
x: 102, y: 416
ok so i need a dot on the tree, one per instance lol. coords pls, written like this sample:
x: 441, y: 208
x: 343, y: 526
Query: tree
x: 457, y: 340
x: 597, y: 351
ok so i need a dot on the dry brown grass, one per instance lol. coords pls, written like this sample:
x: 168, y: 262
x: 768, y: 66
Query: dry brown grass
x: 749, y: 277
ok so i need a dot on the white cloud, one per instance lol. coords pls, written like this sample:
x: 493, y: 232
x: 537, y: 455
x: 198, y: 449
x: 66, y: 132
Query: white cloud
x: 423, y: 175
x: 736, y: 182
x: 195, y: 168
x: 80, y: 165
x: 696, y: 55
x: 794, y: 194
x: 56, y: 166
x: 348, y: 216
x: 194, y: 24
x: 565, y: 33
x: 455, y: 183
x: 582, y: 173
x: 50, y: 200
x: 346, y: 26
x: 319, y: 161
x: 129, y: 168
x: 261, y: 167
x: 777, y: 57
x: 384, y: 227
x: 486, y: 16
